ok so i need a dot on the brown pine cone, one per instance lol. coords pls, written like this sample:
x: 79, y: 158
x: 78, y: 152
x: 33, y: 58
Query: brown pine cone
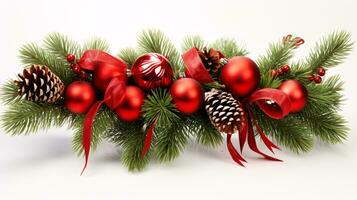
x: 225, y: 112
x: 212, y: 61
x: 38, y: 83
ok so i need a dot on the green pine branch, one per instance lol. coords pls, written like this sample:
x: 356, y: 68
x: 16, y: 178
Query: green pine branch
x: 9, y: 92
x: 170, y: 140
x: 202, y: 129
x: 60, y: 45
x: 278, y: 54
x: 33, y: 54
x: 25, y: 117
x: 129, y: 55
x: 229, y: 47
x: 131, y: 137
x: 193, y: 41
x: 170, y: 134
x: 321, y: 111
x: 290, y: 132
x: 97, y: 44
x: 330, y: 51
x: 103, y: 121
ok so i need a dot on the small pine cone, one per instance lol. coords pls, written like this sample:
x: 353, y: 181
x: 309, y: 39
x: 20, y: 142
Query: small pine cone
x: 225, y: 112
x: 38, y: 83
x: 212, y: 61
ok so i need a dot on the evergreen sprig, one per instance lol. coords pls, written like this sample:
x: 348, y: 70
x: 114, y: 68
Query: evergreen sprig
x: 9, y: 93
x: 330, y: 51
x: 278, y: 54
x: 229, y: 47
x: 25, y: 117
x: 129, y: 55
x: 33, y: 54
x: 202, y: 129
x: 97, y: 44
x: 130, y: 136
x: 104, y: 120
x: 193, y: 41
x: 60, y: 45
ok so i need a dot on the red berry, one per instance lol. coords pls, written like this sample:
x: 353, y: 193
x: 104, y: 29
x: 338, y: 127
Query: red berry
x: 274, y: 73
x: 71, y: 58
x: 321, y: 71
x: 317, y: 79
x: 285, y: 68
x: 76, y: 69
x: 280, y: 72
x: 311, y: 78
x: 83, y: 74
x: 72, y: 65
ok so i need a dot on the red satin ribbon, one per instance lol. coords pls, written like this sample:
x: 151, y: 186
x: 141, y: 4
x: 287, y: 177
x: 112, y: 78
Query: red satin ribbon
x: 148, y: 139
x: 195, y: 67
x: 278, y: 110
x: 113, y: 96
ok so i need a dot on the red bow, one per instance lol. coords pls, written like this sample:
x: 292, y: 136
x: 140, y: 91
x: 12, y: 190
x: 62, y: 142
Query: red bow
x: 113, y: 95
x: 282, y: 105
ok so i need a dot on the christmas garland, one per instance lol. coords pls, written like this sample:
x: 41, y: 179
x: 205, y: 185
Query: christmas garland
x: 151, y: 100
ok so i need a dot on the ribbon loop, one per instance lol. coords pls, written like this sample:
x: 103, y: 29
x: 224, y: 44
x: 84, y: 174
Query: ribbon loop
x: 281, y: 103
x: 195, y: 67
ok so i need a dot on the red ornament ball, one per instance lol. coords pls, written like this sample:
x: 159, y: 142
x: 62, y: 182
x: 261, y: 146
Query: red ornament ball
x: 152, y: 70
x: 71, y: 58
x: 240, y: 75
x: 79, y: 96
x: 317, y: 79
x: 297, y: 94
x: 104, y: 73
x: 321, y: 71
x: 187, y: 94
x: 130, y: 109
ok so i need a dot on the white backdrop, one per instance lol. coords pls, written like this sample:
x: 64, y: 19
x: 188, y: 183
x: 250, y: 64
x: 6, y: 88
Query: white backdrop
x: 42, y: 166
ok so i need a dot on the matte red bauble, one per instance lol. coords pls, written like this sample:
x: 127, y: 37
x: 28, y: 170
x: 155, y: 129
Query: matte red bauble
x: 187, y: 95
x: 296, y: 92
x: 130, y: 109
x: 240, y: 75
x: 104, y: 73
x: 152, y: 70
x: 79, y: 97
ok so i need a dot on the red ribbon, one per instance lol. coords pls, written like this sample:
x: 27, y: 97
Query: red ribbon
x: 279, y: 108
x: 195, y: 67
x: 113, y: 96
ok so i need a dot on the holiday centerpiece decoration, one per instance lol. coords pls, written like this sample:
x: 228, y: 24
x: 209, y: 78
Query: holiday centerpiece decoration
x: 152, y: 100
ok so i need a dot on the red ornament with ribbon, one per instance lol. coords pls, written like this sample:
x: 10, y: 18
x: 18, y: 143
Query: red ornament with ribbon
x: 109, y: 76
x: 241, y: 77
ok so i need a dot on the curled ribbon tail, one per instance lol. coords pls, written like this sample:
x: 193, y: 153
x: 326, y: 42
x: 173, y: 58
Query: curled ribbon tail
x: 252, y: 142
x: 233, y: 152
x: 87, y: 131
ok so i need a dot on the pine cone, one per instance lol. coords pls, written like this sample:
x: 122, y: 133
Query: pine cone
x: 225, y: 112
x: 212, y: 61
x: 39, y: 84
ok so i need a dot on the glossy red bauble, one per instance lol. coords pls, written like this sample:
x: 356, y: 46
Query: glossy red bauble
x: 130, y: 109
x: 240, y: 75
x: 104, y: 73
x: 187, y: 94
x: 297, y: 94
x: 79, y: 96
x: 152, y: 70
